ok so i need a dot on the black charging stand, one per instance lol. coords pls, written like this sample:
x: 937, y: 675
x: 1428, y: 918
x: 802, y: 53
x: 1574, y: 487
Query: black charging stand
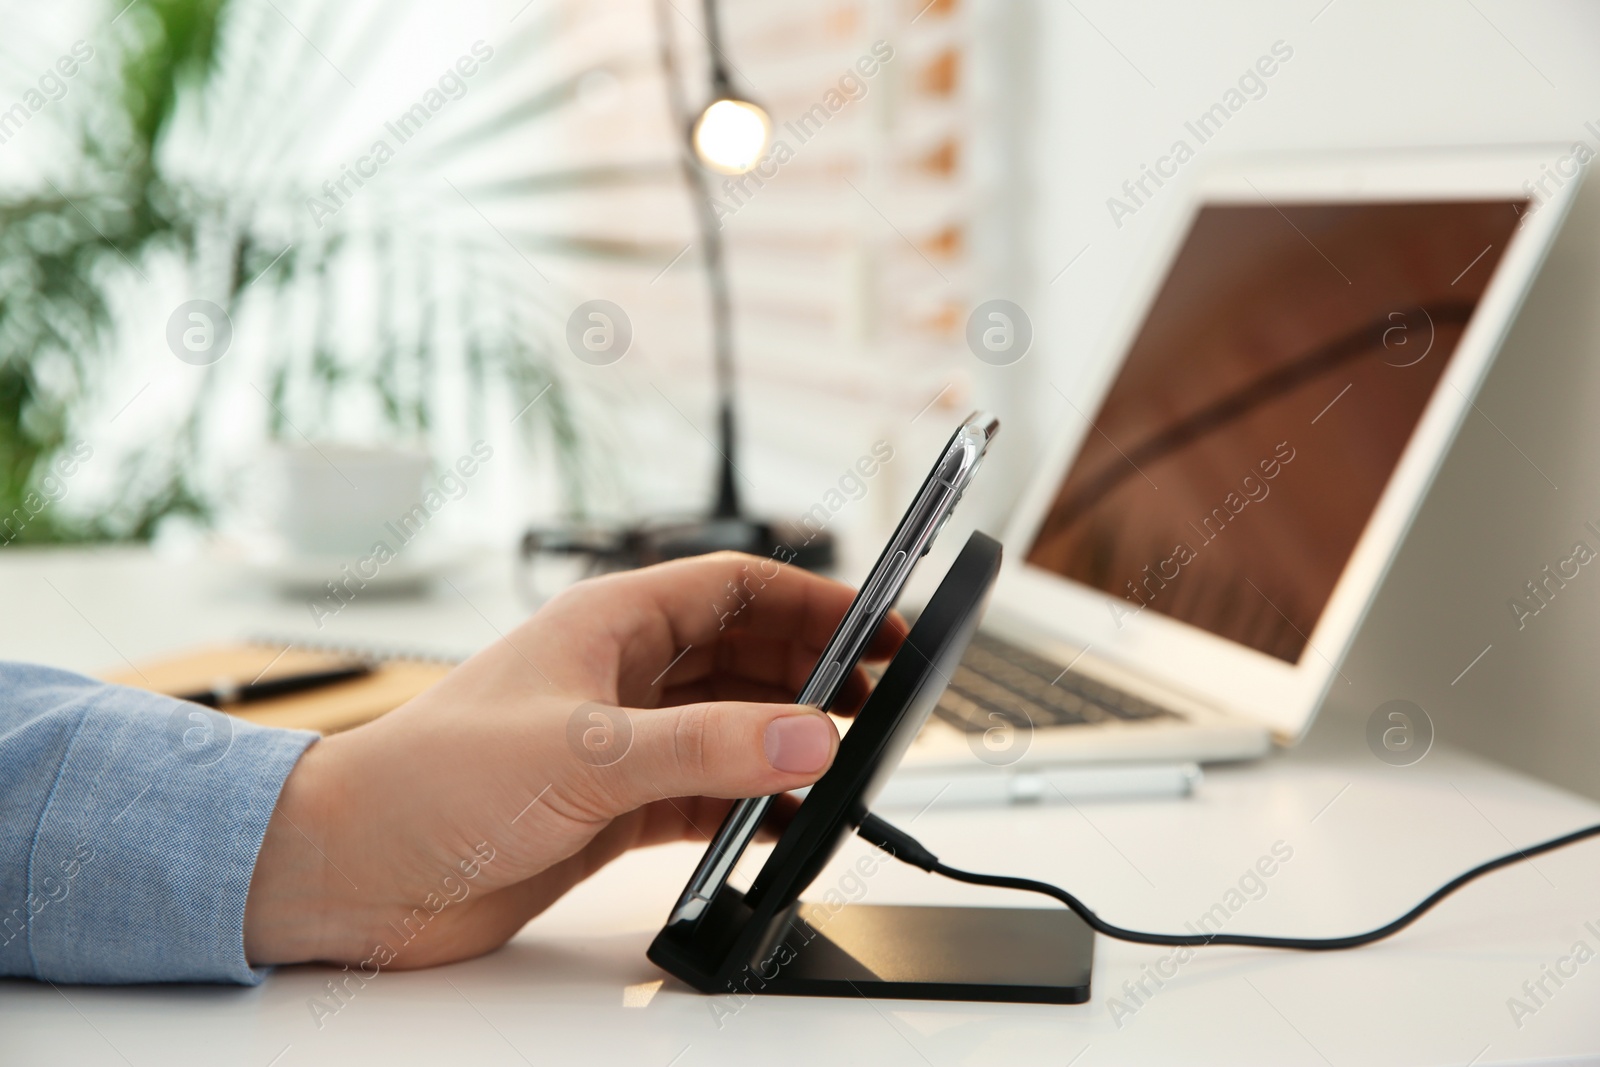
x: 889, y: 952
x: 768, y: 941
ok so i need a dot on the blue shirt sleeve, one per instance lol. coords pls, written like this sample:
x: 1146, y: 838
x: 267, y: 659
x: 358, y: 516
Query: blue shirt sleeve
x: 129, y: 828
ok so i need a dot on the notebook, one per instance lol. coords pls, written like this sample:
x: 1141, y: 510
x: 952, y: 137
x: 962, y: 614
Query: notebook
x: 396, y: 677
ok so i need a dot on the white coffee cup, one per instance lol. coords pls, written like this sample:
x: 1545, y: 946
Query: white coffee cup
x: 333, y: 500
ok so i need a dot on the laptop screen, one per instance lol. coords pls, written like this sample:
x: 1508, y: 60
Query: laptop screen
x: 1263, y: 406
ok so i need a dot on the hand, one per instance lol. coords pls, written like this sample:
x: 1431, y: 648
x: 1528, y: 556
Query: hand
x: 627, y: 712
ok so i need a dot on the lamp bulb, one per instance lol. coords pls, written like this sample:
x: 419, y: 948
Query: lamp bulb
x: 731, y: 135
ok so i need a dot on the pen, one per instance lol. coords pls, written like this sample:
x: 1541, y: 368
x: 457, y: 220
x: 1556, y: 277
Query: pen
x: 1043, y: 785
x: 226, y: 691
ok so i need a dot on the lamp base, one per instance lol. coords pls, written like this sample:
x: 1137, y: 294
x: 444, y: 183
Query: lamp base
x: 621, y: 548
x: 791, y: 542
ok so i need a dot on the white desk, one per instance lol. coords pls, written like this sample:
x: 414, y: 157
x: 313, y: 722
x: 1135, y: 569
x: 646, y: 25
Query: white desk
x: 1368, y: 841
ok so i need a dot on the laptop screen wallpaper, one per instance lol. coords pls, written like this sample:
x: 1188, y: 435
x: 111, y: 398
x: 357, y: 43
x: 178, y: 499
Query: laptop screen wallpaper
x: 1263, y: 406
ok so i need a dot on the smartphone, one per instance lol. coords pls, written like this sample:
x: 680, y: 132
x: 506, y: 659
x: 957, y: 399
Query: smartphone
x: 930, y: 509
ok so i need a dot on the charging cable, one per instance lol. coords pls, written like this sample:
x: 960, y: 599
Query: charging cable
x: 907, y: 849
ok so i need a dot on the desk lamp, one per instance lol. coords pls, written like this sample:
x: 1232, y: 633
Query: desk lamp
x: 729, y: 136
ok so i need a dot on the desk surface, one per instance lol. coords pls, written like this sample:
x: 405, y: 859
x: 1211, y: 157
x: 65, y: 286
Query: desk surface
x: 1365, y: 841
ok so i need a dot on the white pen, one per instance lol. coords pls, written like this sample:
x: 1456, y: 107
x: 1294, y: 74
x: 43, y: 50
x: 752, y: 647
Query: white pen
x: 1043, y: 785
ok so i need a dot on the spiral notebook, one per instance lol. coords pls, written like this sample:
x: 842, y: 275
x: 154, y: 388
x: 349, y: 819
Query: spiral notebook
x: 397, y: 676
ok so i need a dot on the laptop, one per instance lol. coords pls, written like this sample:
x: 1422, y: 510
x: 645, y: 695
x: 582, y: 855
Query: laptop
x: 1236, y: 468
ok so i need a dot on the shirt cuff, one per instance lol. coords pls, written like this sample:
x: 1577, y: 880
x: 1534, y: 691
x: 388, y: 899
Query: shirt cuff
x: 150, y: 837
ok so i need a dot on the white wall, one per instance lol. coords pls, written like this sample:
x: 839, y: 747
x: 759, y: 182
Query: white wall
x: 1119, y: 80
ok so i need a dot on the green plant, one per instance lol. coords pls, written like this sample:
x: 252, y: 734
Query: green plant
x: 126, y: 206
x: 54, y: 249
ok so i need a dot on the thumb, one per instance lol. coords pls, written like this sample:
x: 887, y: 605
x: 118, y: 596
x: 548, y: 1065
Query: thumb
x: 723, y: 749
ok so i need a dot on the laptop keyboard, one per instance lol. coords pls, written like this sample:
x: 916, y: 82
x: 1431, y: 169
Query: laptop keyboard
x: 998, y: 678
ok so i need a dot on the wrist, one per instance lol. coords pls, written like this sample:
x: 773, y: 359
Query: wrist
x: 298, y: 903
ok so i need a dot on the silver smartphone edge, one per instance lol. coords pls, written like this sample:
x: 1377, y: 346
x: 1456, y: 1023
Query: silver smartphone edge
x: 935, y: 501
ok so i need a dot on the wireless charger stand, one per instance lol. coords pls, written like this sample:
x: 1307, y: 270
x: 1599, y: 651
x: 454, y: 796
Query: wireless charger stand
x: 772, y: 943
x: 907, y: 952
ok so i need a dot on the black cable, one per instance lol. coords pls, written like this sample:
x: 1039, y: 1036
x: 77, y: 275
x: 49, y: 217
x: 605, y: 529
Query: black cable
x: 904, y: 847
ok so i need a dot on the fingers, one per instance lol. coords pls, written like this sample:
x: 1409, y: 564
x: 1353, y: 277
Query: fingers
x: 699, y: 599
x: 720, y: 749
x: 711, y: 618
x: 706, y: 690
x: 733, y: 687
x: 780, y: 661
x: 777, y: 662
